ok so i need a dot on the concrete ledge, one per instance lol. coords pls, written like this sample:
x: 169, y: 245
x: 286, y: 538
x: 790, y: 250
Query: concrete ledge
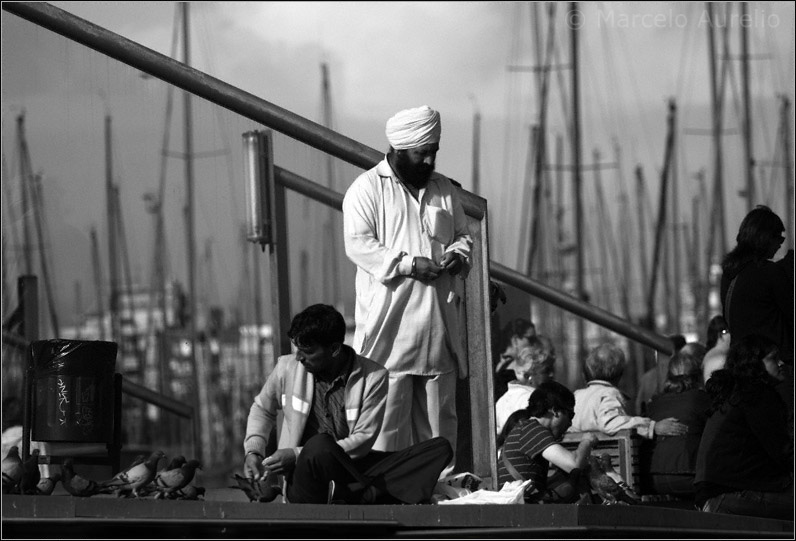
x: 65, y: 516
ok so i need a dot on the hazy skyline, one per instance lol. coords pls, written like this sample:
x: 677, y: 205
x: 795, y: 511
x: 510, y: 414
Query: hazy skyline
x: 382, y: 57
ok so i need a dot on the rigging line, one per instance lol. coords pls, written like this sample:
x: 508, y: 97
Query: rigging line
x: 685, y: 78
x: 562, y: 90
x: 160, y: 265
x: 687, y: 53
x: 769, y: 71
x: 507, y: 174
x: 6, y: 298
x: 39, y: 220
x: 218, y: 117
x: 214, y: 295
x: 767, y: 187
x: 601, y: 101
x: 138, y: 353
x: 779, y: 79
x: 8, y: 198
x: 539, y: 153
x: 624, y: 49
x: 613, y: 80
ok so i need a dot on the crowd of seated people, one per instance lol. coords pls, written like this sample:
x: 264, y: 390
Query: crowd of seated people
x: 709, y: 448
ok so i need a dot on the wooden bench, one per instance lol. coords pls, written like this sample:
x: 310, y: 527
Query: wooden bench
x: 624, y: 448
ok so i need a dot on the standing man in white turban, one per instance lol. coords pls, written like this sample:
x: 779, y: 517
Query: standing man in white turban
x: 406, y: 231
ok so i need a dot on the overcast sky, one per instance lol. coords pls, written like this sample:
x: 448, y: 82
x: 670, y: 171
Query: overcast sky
x: 382, y: 57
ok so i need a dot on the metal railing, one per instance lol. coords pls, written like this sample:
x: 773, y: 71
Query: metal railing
x: 304, y: 130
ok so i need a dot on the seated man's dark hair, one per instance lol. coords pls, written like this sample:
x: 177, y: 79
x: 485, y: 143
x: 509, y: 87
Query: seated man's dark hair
x: 319, y: 324
x: 550, y: 395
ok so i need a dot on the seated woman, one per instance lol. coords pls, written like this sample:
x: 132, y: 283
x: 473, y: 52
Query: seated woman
x: 515, y: 336
x: 673, y: 459
x: 528, y: 445
x: 601, y: 405
x: 744, y: 464
x: 533, y: 366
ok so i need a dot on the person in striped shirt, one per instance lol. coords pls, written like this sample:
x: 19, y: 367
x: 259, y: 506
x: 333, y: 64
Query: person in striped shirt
x: 528, y: 445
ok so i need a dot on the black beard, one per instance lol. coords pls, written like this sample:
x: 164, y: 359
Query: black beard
x: 415, y: 174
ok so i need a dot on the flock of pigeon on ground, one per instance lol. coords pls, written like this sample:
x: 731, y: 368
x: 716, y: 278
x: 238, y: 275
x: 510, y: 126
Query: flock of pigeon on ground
x: 140, y: 479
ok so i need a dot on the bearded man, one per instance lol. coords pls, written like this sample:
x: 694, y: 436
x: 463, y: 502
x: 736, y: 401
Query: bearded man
x: 406, y: 231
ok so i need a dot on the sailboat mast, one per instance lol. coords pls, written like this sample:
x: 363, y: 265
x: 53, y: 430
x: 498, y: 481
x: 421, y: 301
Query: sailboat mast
x: 674, y: 242
x: 97, y: 266
x: 331, y: 228
x: 111, y: 226
x: 540, y: 150
x: 258, y: 314
x: 23, y: 188
x: 749, y: 166
x: 576, y: 177
x: 642, y: 229
x: 38, y: 218
x: 476, y: 174
x: 659, y: 230
x: 196, y: 359
x: 718, y: 182
x: 786, y: 149
x: 625, y: 274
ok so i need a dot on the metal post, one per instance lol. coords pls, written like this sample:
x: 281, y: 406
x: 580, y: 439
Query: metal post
x: 28, y: 298
x: 267, y: 226
x: 573, y: 15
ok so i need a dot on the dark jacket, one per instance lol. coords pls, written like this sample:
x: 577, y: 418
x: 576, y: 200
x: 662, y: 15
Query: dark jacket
x: 677, y: 454
x: 745, y: 445
x: 762, y: 303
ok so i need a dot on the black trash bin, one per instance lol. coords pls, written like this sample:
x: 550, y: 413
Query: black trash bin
x: 73, y: 390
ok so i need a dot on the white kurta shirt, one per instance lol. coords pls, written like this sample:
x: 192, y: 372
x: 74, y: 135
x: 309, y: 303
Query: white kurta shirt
x: 409, y: 326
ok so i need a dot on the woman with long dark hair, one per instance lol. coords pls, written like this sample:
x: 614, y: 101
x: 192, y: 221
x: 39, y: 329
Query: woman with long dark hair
x: 757, y: 293
x: 744, y: 464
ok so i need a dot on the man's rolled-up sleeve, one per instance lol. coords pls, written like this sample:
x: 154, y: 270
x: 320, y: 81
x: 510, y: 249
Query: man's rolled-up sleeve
x: 262, y: 416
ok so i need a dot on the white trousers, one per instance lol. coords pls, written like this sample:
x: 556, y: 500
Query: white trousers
x: 419, y: 408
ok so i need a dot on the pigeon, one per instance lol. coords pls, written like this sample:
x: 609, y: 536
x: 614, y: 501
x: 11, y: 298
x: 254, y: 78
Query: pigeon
x: 259, y: 491
x: 136, y: 477
x: 608, y: 468
x: 136, y: 461
x: 605, y: 487
x: 175, y: 463
x: 46, y: 485
x: 77, y: 485
x: 190, y: 492
x: 169, y: 481
x: 12, y: 471
x: 30, y: 473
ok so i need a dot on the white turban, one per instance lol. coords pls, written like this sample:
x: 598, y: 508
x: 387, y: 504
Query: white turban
x: 413, y: 128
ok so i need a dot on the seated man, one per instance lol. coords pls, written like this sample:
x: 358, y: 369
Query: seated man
x: 528, y: 445
x: 333, y: 403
